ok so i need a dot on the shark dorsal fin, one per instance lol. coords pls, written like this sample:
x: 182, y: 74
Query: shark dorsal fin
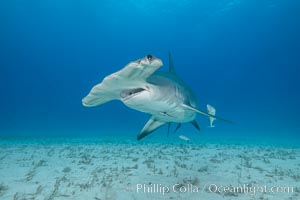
x: 171, y: 64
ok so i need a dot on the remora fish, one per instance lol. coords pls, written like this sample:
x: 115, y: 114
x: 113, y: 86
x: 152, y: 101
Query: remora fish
x: 141, y: 87
x: 183, y: 137
x: 211, y: 110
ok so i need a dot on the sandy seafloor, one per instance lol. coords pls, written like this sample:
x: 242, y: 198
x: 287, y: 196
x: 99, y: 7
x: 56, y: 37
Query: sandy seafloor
x: 95, y: 168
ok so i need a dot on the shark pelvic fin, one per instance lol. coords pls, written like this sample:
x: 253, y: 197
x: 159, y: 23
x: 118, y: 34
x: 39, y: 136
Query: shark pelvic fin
x: 196, y: 125
x: 177, y: 127
x: 150, y: 126
x: 171, y: 64
x: 204, y: 113
x: 169, y: 127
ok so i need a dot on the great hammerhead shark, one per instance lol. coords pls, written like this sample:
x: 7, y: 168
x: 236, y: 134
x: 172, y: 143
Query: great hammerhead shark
x: 141, y: 87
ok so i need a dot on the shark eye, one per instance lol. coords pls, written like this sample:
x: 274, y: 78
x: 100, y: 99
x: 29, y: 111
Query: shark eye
x: 149, y: 57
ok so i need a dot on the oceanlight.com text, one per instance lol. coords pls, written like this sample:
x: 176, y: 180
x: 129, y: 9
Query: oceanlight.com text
x: 246, y: 189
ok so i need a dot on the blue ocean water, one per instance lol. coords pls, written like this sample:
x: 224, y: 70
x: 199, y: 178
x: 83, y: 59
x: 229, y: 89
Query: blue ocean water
x: 241, y: 56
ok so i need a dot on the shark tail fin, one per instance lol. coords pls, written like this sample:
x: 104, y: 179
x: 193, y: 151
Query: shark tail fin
x: 206, y: 114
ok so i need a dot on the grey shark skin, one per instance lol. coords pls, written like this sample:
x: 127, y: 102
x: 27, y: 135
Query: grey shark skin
x: 141, y: 87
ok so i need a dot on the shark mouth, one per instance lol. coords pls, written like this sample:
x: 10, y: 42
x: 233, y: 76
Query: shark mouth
x: 128, y: 94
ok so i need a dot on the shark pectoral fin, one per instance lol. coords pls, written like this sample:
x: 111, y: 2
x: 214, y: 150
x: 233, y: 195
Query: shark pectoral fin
x: 150, y: 126
x: 131, y: 76
x: 204, y: 113
x: 196, y: 125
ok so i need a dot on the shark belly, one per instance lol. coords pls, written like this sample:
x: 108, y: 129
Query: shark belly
x: 161, y: 104
x: 165, y: 112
